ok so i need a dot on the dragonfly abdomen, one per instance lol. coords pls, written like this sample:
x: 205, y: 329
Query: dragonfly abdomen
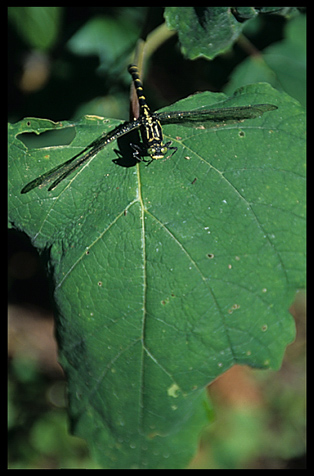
x: 133, y: 70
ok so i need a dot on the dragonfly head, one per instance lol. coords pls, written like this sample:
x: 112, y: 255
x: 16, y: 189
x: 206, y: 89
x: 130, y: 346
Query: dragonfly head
x: 158, y: 151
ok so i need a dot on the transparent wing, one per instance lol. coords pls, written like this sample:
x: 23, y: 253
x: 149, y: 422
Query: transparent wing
x: 57, y: 174
x: 210, y: 117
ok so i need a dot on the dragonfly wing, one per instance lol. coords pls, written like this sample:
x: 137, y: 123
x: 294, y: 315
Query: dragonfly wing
x: 117, y: 132
x: 95, y: 147
x: 46, y: 178
x: 57, y: 174
x: 210, y: 117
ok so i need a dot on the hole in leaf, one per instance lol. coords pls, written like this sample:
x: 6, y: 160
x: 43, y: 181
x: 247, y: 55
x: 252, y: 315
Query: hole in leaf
x: 48, y: 138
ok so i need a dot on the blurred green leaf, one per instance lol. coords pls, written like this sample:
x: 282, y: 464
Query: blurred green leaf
x: 210, y: 31
x: 162, y: 282
x: 39, y: 26
x: 106, y: 37
x: 287, y: 59
x: 283, y: 64
x: 203, y: 31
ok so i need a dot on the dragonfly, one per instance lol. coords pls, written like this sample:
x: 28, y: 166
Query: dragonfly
x: 150, y: 126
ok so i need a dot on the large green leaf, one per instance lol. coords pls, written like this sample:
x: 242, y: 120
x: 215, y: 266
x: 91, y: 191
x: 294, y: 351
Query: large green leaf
x: 165, y: 276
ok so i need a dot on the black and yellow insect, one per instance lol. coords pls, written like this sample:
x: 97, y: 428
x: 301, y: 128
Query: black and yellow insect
x: 151, y: 131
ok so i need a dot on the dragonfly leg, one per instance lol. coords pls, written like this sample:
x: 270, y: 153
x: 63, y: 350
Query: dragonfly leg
x: 170, y: 148
x: 138, y: 152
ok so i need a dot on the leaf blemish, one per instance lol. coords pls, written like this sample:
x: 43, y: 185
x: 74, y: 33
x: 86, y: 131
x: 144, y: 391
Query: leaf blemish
x: 233, y: 308
x: 173, y: 390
